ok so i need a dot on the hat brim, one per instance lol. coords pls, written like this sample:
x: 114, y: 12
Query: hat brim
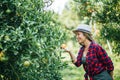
x: 74, y: 31
x: 81, y: 30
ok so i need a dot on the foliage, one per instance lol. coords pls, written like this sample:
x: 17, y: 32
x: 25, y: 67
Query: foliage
x: 29, y: 41
x: 106, y: 13
x: 8, y: 14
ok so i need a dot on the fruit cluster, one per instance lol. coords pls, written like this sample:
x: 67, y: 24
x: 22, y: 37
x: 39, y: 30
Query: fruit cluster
x: 9, y: 14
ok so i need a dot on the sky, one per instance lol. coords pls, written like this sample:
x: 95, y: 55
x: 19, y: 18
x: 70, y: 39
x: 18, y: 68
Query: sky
x: 58, y: 6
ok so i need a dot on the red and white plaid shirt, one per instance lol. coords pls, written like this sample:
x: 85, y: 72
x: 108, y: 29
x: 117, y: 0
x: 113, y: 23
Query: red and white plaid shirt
x: 97, y: 61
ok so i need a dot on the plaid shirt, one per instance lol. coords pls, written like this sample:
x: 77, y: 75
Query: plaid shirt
x: 97, y: 61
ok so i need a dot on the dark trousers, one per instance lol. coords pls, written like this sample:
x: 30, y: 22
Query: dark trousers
x: 103, y: 76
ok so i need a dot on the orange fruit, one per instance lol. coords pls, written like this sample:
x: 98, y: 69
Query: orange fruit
x: 1, y: 54
x: 63, y: 46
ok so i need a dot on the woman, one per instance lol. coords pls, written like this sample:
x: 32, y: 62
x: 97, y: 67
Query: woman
x: 96, y: 62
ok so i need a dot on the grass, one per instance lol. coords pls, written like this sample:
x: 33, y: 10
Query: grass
x: 73, y: 73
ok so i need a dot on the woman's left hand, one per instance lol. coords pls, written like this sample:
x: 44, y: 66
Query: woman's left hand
x: 111, y: 74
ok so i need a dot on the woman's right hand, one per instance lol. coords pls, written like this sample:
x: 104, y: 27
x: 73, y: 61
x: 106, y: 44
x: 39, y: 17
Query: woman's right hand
x: 64, y: 47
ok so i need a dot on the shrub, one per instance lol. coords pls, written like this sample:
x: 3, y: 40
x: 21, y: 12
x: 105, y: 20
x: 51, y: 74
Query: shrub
x: 29, y: 41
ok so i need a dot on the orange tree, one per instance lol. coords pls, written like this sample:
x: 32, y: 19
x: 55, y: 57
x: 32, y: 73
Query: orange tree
x: 29, y: 41
x: 106, y: 13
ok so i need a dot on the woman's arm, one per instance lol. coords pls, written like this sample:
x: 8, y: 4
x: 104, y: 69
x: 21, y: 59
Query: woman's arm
x: 76, y: 61
x: 73, y: 58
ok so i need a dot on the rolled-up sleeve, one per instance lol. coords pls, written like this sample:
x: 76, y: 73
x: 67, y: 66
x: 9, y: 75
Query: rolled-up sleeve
x: 78, y: 62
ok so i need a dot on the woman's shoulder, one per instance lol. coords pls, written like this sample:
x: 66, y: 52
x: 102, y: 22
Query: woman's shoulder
x: 95, y: 45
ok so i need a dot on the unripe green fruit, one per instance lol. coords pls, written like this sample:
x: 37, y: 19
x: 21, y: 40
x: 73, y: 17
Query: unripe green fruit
x: 26, y: 63
x: 8, y: 11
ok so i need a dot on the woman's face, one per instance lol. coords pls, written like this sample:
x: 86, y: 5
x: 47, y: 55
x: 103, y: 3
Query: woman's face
x: 80, y: 37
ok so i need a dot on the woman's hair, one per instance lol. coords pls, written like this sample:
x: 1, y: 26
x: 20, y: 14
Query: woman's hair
x: 88, y: 36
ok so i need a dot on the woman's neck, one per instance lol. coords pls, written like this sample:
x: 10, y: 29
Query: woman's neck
x: 87, y: 44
